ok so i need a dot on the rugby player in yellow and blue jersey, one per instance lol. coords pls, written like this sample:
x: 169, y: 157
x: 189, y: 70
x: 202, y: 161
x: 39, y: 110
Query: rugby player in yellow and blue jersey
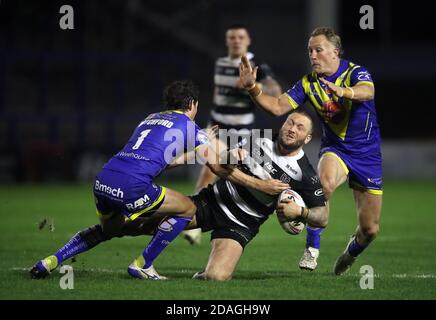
x: 126, y: 197
x: 342, y: 93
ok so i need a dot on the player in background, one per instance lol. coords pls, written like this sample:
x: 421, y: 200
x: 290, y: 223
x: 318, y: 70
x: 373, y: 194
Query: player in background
x: 233, y: 109
x: 342, y: 93
x: 126, y: 196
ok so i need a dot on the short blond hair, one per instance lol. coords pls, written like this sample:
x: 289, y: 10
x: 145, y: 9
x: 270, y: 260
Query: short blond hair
x: 331, y: 36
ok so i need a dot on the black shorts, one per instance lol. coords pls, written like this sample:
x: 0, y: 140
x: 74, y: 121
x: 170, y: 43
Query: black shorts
x: 210, y: 217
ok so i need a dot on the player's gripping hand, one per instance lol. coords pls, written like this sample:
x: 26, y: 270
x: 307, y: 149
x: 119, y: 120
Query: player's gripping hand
x: 272, y: 186
x: 247, y: 75
x: 237, y: 155
x: 212, y: 132
x: 288, y: 210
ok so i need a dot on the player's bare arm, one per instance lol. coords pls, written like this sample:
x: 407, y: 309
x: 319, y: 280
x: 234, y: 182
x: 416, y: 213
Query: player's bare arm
x: 182, y: 159
x: 360, y: 92
x: 270, y: 87
x: 275, y: 105
x: 233, y: 174
x: 186, y: 157
x: 217, y: 164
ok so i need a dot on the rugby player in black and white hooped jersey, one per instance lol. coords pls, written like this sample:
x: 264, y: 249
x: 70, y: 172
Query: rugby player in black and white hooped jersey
x: 233, y: 109
x: 234, y: 213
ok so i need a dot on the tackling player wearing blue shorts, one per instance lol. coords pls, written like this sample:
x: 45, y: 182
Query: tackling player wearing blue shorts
x: 126, y: 197
x: 342, y: 93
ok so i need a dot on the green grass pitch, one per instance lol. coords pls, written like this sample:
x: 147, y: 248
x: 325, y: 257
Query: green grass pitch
x: 403, y: 256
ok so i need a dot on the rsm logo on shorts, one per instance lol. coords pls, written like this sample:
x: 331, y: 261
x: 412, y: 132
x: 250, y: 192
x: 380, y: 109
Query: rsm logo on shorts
x: 138, y: 203
x: 109, y: 190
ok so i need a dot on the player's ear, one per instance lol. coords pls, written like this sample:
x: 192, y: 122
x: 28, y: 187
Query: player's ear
x: 226, y: 39
x: 336, y: 51
x: 193, y: 105
x: 308, y: 139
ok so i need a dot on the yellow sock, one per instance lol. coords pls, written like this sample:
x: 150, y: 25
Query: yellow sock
x: 52, y: 262
x: 140, y: 261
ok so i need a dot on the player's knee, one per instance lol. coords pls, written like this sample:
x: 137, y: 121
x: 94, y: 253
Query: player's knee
x: 324, y: 221
x: 111, y: 231
x: 190, y: 210
x: 186, y: 207
x: 218, y: 275
x: 328, y: 185
x: 93, y: 235
x: 320, y: 218
x: 370, y: 232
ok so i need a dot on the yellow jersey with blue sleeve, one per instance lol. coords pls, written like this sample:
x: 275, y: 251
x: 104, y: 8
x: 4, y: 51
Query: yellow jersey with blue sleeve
x: 356, y: 129
x: 353, y: 135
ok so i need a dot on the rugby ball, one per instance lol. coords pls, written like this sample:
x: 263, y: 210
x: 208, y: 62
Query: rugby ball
x: 293, y: 227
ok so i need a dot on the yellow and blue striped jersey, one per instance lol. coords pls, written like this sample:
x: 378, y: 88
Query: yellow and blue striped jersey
x: 357, y: 130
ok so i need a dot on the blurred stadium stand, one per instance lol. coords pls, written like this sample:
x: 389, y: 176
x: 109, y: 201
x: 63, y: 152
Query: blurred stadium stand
x: 69, y: 99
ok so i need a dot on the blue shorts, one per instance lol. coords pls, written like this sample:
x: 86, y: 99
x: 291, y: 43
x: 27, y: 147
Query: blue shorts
x: 119, y: 193
x: 364, y: 172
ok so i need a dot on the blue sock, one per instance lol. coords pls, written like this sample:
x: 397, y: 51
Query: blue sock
x: 73, y: 247
x: 313, y: 238
x: 80, y: 242
x: 166, y: 232
x: 354, y: 249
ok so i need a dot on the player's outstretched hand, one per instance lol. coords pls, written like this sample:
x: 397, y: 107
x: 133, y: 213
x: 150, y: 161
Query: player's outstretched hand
x: 332, y: 88
x: 247, y: 75
x: 288, y: 210
x: 273, y: 186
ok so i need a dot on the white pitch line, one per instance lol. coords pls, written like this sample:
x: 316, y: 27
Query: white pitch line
x: 419, y: 276
x: 397, y: 276
x: 101, y: 270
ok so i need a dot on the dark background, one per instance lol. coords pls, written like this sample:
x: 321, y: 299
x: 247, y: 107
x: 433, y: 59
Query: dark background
x: 70, y: 95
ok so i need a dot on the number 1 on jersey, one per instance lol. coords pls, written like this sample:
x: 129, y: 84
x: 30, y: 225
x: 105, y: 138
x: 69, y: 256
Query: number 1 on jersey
x: 141, y: 139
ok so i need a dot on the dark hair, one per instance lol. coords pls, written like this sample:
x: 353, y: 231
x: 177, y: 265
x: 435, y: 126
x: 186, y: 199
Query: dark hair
x: 179, y: 94
x: 237, y: 26
x: 331, y: 36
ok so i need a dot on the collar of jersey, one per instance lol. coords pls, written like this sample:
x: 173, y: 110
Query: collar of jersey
x: 249, y: 55
x: 177, y: 111
x: 343, y: 65
x: 298, y: 156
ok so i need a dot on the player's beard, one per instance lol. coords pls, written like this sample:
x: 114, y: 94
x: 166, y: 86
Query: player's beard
x: 289, y: 147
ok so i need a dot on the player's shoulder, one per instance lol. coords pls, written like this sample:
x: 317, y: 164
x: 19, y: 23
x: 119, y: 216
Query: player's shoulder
x: 359, y: 73
x: 266, y: 142
x: 306, y: 165
x: 222, y: 60
x: 227, y: 61
x: 356, y: 67
x: 310, y: 179
x: 308, y: 77
x: 263, y: 136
